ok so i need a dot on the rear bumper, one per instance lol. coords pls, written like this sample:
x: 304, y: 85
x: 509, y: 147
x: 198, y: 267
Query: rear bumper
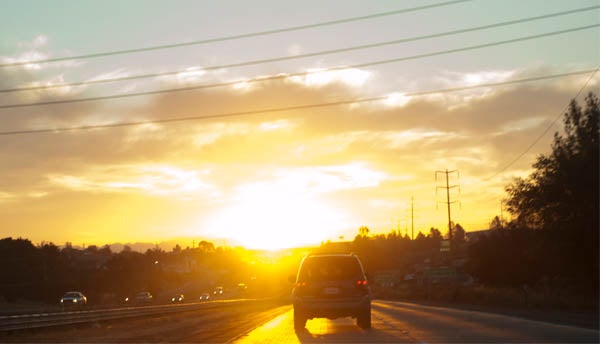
x: 324, y: 308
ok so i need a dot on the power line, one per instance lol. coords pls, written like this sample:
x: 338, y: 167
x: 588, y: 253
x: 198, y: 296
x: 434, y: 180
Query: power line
x: 361, y: 65
x: 234, y: 37
x: 537, y: 139
x: 273, y: 110
x: 319, y: 53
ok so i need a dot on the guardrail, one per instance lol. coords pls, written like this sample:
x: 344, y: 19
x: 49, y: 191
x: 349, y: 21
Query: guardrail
x: 31, y: 321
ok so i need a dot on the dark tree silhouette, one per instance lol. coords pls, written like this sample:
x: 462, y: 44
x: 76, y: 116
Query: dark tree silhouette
x: 496, y: 223
x: 562, y: 192
x: 363, y: 231
x: 556, y: 215
x: 435, y: 234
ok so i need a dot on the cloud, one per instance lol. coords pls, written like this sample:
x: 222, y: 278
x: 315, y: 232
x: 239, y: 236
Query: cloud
x: 38, y: 41
x: 34, y: 50
x: 317, y: 78
x: 358, y: 157
x: 149, y: 179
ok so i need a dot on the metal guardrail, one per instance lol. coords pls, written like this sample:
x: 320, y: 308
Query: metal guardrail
x: 31, y: 321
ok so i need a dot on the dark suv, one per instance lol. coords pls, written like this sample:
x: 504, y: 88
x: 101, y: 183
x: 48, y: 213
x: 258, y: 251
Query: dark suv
x: 331, y: 286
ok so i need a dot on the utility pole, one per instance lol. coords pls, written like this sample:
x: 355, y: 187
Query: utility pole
x: 501, y: 214
x: 412, y: 217
x: 448, y: 202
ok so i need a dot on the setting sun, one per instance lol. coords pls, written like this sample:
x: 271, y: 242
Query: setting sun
x: 268, y: 217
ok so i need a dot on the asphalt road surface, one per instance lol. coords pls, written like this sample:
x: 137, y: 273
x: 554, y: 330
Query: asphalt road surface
x: 393, y: 322
x: 397, y: 322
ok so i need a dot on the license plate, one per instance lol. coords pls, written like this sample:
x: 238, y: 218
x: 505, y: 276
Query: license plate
x: 331, y: 291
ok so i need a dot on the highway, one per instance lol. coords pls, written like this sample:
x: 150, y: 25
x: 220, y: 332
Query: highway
x: 397, y: 322
x: 393, y: 322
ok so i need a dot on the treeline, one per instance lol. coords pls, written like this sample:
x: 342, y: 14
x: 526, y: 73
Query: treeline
x: 394, y: 251
x: 44, y: 272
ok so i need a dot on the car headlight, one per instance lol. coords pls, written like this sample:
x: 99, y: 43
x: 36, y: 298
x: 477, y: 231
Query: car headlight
x: 75, y: 301
x: 62, y: 301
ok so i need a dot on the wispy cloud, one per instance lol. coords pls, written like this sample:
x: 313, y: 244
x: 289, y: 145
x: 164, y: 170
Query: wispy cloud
x: 159, y: 180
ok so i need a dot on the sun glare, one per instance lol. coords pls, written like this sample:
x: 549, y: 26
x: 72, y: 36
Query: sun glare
x: 265, y: 217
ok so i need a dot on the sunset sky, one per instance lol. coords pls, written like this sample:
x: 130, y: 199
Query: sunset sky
x: 270, y: 179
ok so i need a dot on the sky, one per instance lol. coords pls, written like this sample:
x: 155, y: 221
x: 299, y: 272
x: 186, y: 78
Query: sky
x: 322, y: 145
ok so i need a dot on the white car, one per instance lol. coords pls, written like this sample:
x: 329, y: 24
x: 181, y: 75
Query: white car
x: 73, y: 299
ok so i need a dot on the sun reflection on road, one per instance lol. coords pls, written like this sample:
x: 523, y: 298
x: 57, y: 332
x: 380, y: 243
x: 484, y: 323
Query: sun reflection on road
x: 281, y: 330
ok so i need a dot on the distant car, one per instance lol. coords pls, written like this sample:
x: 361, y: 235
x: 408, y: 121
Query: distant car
x: 73, y: 299
x: 331, y: 286
x: 143, y: 297
x: 177, y: 298
x: 204, y: 297
x: 218, y: 291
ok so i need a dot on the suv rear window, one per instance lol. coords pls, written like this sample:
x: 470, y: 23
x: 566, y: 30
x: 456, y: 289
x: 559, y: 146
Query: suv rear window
x: 330, y: 268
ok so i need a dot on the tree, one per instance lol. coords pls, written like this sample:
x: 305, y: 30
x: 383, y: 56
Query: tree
x: 496, y: 223
x: 458, y: 234
x: 363, y: 231
x: 177, y: 249
x: 435, y: 234
x: 560, y: 199
x: 562, y: 192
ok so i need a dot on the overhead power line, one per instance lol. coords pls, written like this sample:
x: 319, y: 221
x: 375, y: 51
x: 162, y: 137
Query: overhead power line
x: 319, y: 53
x: 543, y: 133
x: 361, y: 65
x: 234, y: 37
x: 274, y: 110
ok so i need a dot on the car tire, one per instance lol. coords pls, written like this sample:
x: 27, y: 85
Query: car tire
x: 363, y: 320
x: 299, y: 321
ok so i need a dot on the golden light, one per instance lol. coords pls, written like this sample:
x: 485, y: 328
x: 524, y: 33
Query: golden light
x: 267, y: 216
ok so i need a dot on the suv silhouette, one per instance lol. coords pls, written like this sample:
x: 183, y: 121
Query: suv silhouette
x: 331, y: 286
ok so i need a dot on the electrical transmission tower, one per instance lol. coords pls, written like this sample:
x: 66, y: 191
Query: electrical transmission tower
x: 447, y: 202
